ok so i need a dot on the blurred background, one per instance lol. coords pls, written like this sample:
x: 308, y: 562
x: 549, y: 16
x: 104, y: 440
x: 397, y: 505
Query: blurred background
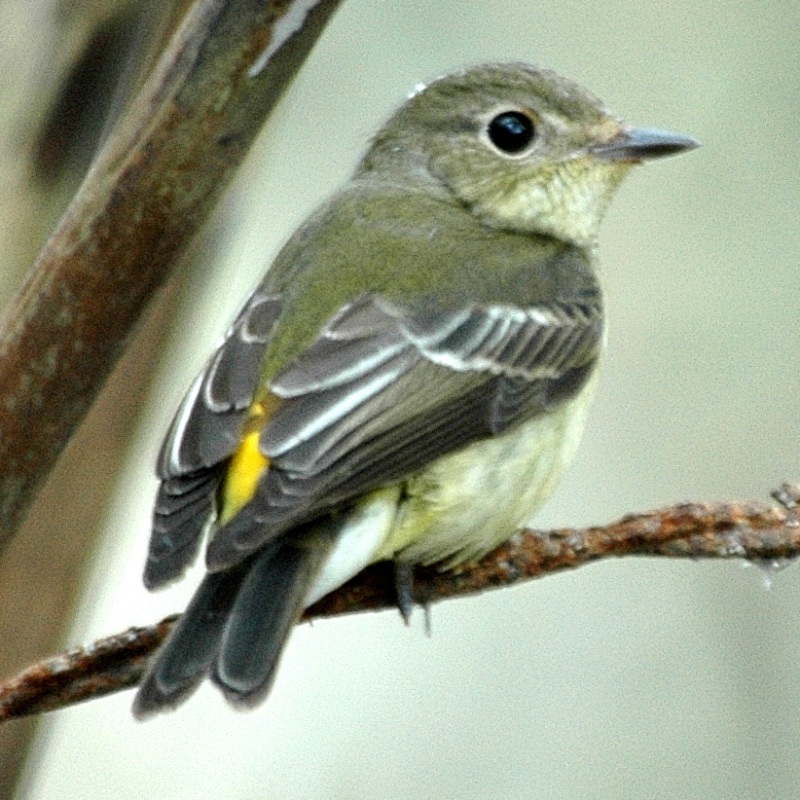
x: 628, y: 679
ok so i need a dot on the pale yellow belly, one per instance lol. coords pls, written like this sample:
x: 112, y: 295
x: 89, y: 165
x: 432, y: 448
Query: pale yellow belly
x: 463, y: 505
x: 471, y: 501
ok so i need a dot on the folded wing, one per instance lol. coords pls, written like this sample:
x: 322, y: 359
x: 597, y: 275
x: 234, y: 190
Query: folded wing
x: 385, y: 390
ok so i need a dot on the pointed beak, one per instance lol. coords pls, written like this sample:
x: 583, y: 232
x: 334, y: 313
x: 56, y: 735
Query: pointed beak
x: 638, y: 144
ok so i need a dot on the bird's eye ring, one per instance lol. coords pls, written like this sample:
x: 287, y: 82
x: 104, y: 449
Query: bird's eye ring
x: 511, y: 132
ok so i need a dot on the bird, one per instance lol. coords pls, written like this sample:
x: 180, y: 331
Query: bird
x: 410, y: 379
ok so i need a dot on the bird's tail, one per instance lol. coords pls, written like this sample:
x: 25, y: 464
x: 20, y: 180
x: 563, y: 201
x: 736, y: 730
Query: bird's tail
x: 236, y: 625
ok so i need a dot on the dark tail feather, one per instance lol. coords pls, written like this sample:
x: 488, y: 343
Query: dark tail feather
x: 267, y: 607
x: 186, y: 656
x: 236, y: 626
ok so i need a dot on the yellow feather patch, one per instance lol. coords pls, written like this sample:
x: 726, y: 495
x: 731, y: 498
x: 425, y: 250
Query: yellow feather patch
x: 246, y: 467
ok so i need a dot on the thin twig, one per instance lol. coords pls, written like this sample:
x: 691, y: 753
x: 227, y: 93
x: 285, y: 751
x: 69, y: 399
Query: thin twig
x: 751, y: 531
x: 157, y: 177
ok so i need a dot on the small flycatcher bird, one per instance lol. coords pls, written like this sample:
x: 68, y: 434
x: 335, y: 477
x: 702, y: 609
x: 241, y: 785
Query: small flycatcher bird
x: 410, y: 379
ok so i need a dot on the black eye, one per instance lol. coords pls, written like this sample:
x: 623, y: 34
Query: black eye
x: 511, y: 132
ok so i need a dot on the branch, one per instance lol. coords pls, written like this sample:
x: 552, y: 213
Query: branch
x: 156, y: 179
x: 753, y: 531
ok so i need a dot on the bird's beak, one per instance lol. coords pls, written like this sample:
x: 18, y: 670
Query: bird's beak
x: 637, y: 144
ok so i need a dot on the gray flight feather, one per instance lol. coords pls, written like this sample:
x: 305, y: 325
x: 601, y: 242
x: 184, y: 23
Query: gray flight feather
x: 203, y: 435
x: 206, y: 428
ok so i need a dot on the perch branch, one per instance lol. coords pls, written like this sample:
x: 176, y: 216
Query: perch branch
x: 756, y: 532
x: 150, y: 188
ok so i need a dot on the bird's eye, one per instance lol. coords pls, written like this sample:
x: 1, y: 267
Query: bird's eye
x: 511, y: 132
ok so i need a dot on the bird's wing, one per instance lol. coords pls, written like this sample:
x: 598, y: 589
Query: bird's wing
x: 384, y: 390
x: 204, y: 434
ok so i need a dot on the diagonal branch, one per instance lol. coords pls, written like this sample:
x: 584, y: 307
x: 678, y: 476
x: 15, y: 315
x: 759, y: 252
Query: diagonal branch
x: 151, y: 187
x: 753, y: 531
